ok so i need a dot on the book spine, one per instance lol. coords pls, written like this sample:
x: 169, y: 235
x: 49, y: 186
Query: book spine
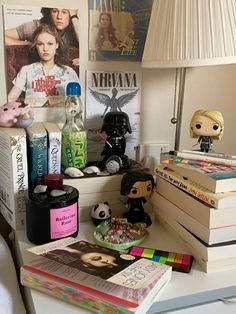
x: 192, y: 244
x: 185, y: 244
x: 202, y: 162
x: 176, y: 213
x: 20, y: 179
x: 54, y: 152
x: 14, y: 182
x: 70, y: 294
x: 214, y: 177
x: 201, y: 159
x: 188, y: 186
x: 37, y: 156
x: 218, y: 155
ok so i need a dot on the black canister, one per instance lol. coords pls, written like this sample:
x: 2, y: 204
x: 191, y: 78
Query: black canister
x: 53, y: 214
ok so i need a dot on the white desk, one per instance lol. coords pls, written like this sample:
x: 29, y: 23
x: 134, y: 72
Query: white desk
x: 184, y: 290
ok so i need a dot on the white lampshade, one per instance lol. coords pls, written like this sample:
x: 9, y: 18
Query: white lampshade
x: 189, y: 33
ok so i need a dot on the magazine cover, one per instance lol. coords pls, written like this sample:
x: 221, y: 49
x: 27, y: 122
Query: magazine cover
x: 42, y: 53
x: 112, y: 91
x: 118, y: 29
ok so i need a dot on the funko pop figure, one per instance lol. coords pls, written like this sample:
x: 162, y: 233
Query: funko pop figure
x: 137, y: 185
x: 206, y: 125
x: 115, y: 125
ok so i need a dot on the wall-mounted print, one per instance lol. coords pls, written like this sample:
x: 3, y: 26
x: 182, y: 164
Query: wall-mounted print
x: 118, y: 29
x: 42, y: 53
x: 114, y: 91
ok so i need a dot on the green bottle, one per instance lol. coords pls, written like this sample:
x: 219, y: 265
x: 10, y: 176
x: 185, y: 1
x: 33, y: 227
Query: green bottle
x: 74, y: 135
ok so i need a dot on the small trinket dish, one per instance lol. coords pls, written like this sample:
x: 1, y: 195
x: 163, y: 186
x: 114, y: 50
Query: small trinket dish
x: 119, y: 234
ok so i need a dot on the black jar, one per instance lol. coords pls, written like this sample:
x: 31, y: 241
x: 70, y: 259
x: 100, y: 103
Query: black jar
x: 50, y: 218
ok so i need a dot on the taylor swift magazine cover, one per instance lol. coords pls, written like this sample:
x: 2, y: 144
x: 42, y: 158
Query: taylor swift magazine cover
x: 118, y: 29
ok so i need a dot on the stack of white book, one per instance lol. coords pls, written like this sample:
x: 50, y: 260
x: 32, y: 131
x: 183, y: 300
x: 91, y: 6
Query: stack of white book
x: 94, y: 189
x: 195, y: 198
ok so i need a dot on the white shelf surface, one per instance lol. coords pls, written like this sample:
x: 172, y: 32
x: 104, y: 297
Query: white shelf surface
x: 184, y: 289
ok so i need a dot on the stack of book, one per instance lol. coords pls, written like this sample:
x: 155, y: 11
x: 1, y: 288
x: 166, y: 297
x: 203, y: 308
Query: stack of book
x: 94, y: 189
x: 99, y: 279
x: 195, y: 198
x: 26, y: 156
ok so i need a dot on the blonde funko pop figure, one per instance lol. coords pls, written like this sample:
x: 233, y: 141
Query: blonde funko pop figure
x: 206, y: 125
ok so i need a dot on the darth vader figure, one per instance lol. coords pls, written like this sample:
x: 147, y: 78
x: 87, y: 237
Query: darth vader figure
x: 115, y: 125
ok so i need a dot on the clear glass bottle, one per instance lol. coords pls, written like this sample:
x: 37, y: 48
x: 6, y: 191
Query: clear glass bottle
x: 74, y: 135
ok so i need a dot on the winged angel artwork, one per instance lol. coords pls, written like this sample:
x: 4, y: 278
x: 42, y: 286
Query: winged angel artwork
x: 114, y: 103
x: 108, y: 91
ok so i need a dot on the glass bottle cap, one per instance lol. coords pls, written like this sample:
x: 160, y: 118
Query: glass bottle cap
x: 73, y: 89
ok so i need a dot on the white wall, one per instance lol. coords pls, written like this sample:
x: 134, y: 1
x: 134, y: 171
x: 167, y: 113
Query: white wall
x: 208, y: 87
x: 212, y: 87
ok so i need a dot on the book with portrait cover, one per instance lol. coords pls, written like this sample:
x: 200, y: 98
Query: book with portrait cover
x: 108, y: 91
x: 41, y: 53
x: 118, y: 29
x: 102, y: 272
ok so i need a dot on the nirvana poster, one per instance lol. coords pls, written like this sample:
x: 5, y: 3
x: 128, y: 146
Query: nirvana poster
x: 112, y: 91
x: 118, y: 29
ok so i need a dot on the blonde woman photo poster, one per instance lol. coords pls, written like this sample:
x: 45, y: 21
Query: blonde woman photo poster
x: 118, y: 29
x: 42, y: 53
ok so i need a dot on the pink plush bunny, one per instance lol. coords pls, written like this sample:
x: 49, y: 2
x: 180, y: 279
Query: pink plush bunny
x: 11, y: 114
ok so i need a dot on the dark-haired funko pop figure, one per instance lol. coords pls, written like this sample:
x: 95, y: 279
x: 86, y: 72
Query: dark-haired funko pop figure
x: 115, y: 125
x: 137, y: 185
x: 207, y: 125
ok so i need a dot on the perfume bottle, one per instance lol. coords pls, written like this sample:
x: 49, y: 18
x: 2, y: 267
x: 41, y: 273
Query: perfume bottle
x: 74, y: 135
x: 52, y: 213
